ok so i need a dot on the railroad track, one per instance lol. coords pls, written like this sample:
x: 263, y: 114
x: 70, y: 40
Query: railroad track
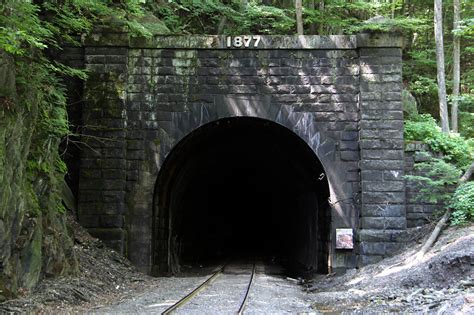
x: 227, y: 296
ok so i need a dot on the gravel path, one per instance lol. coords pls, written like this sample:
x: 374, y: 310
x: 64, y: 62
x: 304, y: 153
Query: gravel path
x: 270, y: 293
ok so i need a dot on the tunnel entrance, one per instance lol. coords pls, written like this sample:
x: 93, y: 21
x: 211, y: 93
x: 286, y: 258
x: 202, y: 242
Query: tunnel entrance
x: 239, y: 188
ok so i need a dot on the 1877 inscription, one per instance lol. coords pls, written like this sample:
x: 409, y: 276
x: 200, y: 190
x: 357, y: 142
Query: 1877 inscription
x: 243, y: 41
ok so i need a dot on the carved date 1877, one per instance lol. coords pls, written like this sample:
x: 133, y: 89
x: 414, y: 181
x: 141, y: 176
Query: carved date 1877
x: 243, y: 41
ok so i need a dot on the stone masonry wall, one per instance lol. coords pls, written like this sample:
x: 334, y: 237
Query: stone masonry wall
x: 340, y: 94
x: 381, y: 146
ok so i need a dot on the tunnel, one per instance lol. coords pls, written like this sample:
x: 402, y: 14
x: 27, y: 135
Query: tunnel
x: 242, y: 188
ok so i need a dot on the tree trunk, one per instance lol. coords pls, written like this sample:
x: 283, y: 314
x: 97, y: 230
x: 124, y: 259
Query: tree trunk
x: 434, y: 235
x: 321, y: 11
x: 299, y: 17
x: 467, y: 174
x: 220, y: 27
x: 312, y: 26
x: 438, y: 28
x: 456, y: 68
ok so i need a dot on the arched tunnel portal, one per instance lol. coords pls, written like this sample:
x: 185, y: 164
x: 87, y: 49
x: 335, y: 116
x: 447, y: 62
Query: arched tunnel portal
x: 240, y: 188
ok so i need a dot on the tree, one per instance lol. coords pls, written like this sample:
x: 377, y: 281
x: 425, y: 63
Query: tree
x: 438, y: 28
x: 299, y: 17
x: 456, y: 67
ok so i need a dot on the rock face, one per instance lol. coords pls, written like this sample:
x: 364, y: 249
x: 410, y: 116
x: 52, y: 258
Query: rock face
x: 33, y: 237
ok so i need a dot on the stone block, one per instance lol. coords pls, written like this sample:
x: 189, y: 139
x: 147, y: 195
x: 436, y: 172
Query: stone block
x: 393, y: 175
x: 382, y: 69
x: 349, y: 145
x: 116, y: 68
x: 377, y: 223
x: 114, y: 163
x: 111, y: 221
x: 350, y: 155
x: 364, y: 260
x: 384, y: 134
x: 380, y: 114
x: 391, y: 248
x: 389, y: 52
x: 90, y: 196
x: 380, y: 60
x: 132, y: 175
x: 372, y: 248
x: 95, y: 59
x: 349, y: 135
x: 382, y: 210
x: 377, y: 105
x: 112, y: 184
x: 366, y: 235
x: 352, y: 176
x: 113, y: 174
x: 381, y: 78
x: 114, y: 197
x: 381, y: 87
x: 370, y: 96
x: 381, y: 144
x: 383, y: 186
x: 91, y: 184
x: 113, y: 153
x: 89, y: 208
x: 113, y: 208
x: 95, y: 68
x: 351, y: 107
x: 89, y: 221
x: 395, y: 223
x: 373, y: 197
x: 371, y: 175
x: 381, y: 165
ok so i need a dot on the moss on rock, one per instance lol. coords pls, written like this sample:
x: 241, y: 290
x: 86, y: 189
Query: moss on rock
x: 33, y: 237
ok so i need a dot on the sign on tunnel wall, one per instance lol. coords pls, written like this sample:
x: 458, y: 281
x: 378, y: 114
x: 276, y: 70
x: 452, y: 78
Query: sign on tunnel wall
x: 340, y: 94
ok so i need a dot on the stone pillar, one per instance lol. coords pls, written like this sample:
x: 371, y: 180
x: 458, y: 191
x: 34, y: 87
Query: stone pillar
x: 102, y: 185
x: 382, y: 216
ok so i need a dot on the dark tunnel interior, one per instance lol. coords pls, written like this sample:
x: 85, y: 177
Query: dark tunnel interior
x: 242, y: 188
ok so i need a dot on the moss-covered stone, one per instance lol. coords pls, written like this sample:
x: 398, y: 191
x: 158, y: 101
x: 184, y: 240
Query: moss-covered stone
x: 33, y: 236
x: 31, y: 258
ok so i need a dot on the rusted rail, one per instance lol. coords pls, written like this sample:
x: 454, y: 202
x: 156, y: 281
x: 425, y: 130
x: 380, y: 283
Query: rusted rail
x: 205, y: 285
x: 194, y: 292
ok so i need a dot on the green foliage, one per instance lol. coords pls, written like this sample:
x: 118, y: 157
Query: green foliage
x: 438, y: 175
x: 30, y: 32
x: 466, y: 115
x: 194, y: 17
x: 455, y: 148
x: 261, y: 19
x: 462, y: 204
x: 21, y: 28
x: 466, y: 122
x: 206, y: 16
x: 421, y: 127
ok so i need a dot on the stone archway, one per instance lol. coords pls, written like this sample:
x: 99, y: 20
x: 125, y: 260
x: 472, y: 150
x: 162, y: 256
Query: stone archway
x: 339, y: 94
x: 240, y: 187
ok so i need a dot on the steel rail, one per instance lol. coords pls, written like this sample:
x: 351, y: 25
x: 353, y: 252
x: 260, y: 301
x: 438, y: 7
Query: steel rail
x: 244, y: 302
x: 194, y: 292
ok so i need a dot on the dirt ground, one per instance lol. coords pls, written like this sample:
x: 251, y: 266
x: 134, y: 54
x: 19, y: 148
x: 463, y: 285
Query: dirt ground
x: 442, y: 282
x: 104, y: 277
